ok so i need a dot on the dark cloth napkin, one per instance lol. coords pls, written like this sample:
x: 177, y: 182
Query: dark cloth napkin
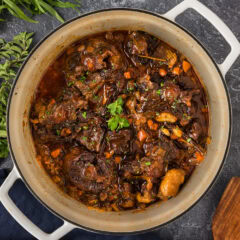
x: 10, y: 229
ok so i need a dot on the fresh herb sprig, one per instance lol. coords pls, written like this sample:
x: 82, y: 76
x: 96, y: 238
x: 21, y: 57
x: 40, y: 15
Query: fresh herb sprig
x: 117, y: 122
x: 12, y: 55
x: 35, y: 7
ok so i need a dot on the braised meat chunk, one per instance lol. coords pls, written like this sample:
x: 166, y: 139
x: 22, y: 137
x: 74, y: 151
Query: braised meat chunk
x: 120, y: 121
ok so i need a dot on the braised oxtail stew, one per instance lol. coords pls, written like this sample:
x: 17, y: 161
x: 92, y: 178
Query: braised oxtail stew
x: 120, y: 120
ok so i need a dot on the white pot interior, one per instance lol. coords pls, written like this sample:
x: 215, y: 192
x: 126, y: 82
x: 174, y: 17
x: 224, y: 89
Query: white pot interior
x: 22, y: 144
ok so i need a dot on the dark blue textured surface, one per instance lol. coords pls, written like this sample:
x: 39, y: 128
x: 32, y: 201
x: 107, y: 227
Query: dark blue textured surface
x: 195, y: 224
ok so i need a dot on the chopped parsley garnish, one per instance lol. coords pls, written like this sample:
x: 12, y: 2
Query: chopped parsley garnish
x: 122, y: 122
x: 85, y: 127
x: 159, y: 91
x: 95, y: 97
x: 189, y: 140
x: 69, y: 84
x: 162, y: 84
x: 48, y: 113
x: 82, y: 78
x: 147, y: 163
x: 116, y: 122
x: 58, y: 132
x: 87, y: 72
x: 116, y: 107
x: 84, y: 114
x: 84, y: 138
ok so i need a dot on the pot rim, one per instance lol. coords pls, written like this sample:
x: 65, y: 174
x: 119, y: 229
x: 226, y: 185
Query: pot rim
x: 19, y: 73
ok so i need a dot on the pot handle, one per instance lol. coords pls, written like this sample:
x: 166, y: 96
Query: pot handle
x: 217, y: 23
x: 21, y: 218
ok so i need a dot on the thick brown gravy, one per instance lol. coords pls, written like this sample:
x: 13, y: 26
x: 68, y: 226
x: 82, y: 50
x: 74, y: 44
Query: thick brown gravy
x: 120, y: 120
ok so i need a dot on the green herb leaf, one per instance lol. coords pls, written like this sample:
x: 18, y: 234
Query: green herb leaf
x: 12, y: 55
x: 113, y: 123
x: 84, y: 114
x: 82, y: 78
x: 116, y: 107
x: 189, y: 140
x: 159, y: 91
x: 85, y: 127
x: 35, y: 7
x: 147, y: 163
x: 84, y: 138
x: 116, y: 122
x: 122, y: 123
x: 69, y: 84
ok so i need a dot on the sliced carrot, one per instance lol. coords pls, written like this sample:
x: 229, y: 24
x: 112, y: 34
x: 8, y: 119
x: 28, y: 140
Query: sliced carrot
x: 142, y: 135
x: 115, y: 207
x: 39, y: 158
x: 173, y: 136
x: 55, y: 153
x: 68, y: 131
x: 80, y: 193
x: 56, y: 179
x: 81, y: 48
x: 150, y: 123
x: 199, y: 157
x: 130, y: 120
x: 65, y: 132
x: 90, y: 49
x: 52, y: 101
x: 127, y: 75
x: 208, y: 140
x: 70, y: 51
x: 123, y: 96
x: 176, y: 71
x: 186, y: 66
x: 155, y: 127
x: 104, y: 100
x: 109, y: 154
x: 90, y: 65
x: 118, y: 159
x: 162, y: 72
x: 34, y: 121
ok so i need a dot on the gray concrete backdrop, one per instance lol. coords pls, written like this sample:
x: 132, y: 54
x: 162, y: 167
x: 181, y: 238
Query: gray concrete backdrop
x: 195, y: 224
